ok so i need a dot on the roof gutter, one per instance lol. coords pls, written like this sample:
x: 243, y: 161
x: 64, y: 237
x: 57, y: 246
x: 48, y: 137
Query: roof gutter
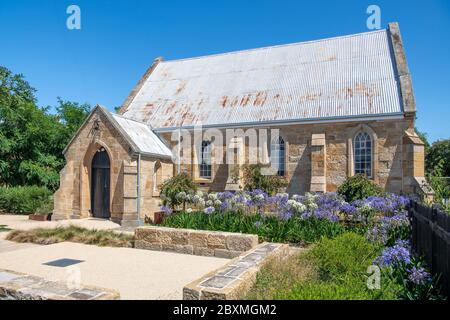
x: 388, y: 116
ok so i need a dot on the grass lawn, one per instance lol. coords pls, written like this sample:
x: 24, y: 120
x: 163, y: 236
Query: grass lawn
x: 331, y: 270
x: 72, y: 234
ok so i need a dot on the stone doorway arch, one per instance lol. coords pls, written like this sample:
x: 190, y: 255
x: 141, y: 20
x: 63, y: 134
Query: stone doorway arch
x: 100, y: 185
x: 86, y: 179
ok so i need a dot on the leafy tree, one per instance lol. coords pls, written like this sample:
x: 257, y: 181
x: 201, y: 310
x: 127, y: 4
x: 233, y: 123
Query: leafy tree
x: 438, y: 152
x: 72, y: 116
x: 32, y: 139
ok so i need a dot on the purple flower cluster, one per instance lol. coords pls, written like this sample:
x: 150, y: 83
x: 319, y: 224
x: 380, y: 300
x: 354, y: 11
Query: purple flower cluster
x: 396, y: 255
x: 258, y: 224
x: 329, y: 206
x: 209, y: 210
x: 321, y: 213
x: 419, y: 275
x: 167, y: 210
x: 380, y: 232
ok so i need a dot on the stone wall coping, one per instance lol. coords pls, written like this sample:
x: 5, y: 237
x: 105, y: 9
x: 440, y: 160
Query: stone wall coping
x: 19, y: 286
x: 235, y: 279
x: 226, y: 233
x: 198, y: 242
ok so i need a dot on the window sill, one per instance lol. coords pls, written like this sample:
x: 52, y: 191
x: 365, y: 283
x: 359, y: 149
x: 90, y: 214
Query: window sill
x: 202, y: 180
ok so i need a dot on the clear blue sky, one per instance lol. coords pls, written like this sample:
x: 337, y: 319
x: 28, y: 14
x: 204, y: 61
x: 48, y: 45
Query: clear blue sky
x: 119, y: 39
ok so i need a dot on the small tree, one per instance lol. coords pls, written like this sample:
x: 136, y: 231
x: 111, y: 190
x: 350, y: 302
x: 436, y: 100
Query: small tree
x: 175, y: 185
x: 358, y: 187
x: 254, y: 179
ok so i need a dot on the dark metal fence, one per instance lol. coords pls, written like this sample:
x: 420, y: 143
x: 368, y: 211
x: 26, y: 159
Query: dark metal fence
x: 431, y: 240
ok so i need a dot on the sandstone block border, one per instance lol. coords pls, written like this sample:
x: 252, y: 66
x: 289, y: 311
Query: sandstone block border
x: 197, y: 242
x: 234, y: 280
x: 19, y: 286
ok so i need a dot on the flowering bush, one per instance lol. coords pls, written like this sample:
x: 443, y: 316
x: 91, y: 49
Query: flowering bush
x: 386, y: 213
x: 296, y: 218
x: 408, y: 271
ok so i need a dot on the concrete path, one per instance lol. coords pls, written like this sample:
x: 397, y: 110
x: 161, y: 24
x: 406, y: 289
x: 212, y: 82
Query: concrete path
x: 21, y: 222
x: 135, y: 273
x: 6, y: 245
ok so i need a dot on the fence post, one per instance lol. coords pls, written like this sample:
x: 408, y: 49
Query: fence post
x: 412, y: 209
x: 434, y: 251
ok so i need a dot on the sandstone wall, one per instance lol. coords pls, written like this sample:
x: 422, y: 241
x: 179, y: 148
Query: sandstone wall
x: 319, y: 157
x: 198, y: 242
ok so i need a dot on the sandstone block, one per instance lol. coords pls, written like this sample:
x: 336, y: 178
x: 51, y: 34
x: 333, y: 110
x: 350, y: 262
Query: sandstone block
x: 225, y: 253
x: 139, y: 244
x: 198, y: 239
x: 217, y: 241
x: 240, y: 242
x: 201, y: 251
x: 185, y: 249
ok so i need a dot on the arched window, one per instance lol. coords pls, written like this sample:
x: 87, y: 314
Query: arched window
x: 362, y: 154
x: 205, y: 160
x: 277, y: 155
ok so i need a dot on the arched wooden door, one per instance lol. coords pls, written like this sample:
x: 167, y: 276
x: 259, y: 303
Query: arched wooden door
x: 100, y: 185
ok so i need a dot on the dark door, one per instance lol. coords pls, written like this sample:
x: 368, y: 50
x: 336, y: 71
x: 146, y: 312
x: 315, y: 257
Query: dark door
x: 100, y: 185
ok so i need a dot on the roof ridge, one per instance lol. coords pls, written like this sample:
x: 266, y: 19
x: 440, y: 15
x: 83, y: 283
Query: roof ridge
x: 274, y: 46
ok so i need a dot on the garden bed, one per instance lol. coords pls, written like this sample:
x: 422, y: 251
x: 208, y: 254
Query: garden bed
x: 378, y: 228
x: 72, y: 234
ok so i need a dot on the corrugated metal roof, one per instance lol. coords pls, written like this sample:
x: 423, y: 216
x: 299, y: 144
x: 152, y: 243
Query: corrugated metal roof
x: 142, y: 136
x: 332, y: 78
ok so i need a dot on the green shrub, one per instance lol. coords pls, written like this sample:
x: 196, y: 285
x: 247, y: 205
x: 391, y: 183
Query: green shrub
x: 254, y: 179
x: 171, y: 187
x: 358, y: 187
x: 25, y: 200
x: 347, y: 253
x: 334, y: 269
x: 348, y: 288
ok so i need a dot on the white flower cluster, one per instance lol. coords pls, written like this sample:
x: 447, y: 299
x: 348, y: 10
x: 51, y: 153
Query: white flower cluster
x: 295, y: 206
x: 309, y: 200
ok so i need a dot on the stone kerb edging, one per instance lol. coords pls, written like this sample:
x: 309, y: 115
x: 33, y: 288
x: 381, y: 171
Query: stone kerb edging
x: 18, y: 286
x: 234, y: 280
x: 197, y: 242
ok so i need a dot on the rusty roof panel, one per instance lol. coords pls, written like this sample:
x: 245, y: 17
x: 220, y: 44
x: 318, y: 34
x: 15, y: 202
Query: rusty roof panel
x: 338, y: 77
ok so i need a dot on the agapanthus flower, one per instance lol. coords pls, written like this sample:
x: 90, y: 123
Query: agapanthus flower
x: 377, y: 234
x: 397, y: 254
x: 212, y: 196
x: 347, y: 208
x: 258, y: 224
x: 181, y: 195
x: 286, y: 215
x: 294, y: 206
x: 167, y: 210
x: 209, y: 210
x: 418, y: 275
x: 196, y: 199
